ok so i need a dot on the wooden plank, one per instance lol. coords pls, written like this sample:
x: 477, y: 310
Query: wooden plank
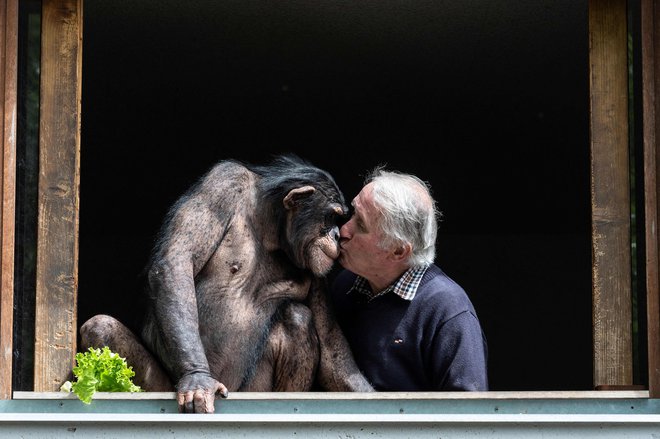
x: 650, y: 35
x: 610, y: 193
x: 8, y: 95
x: 59, y: 179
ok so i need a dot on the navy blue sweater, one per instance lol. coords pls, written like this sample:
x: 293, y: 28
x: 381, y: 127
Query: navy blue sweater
x: 432, y: 343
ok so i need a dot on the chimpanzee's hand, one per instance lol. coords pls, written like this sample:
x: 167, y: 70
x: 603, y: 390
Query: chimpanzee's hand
x: 196, y: 393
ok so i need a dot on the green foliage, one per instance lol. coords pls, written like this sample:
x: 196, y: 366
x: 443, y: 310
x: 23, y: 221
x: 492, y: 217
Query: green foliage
x: 100, y: 370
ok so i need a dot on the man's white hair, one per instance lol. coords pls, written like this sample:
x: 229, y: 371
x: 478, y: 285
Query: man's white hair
x: 408, y: 213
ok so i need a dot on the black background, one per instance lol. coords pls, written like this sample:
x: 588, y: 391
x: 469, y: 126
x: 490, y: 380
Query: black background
x: 486, y: 100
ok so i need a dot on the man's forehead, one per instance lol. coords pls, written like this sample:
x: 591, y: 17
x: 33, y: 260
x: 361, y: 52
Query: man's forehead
x: 365, y: 195
x: 363, y: 202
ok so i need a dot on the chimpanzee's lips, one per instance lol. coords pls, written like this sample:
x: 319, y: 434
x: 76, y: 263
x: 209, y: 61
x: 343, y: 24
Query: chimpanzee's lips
x: 332, y: 252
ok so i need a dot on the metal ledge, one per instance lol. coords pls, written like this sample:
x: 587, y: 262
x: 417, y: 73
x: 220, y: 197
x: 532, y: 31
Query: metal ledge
x: 178, y: 418
x: 589, y: 394
x: 455, y: 415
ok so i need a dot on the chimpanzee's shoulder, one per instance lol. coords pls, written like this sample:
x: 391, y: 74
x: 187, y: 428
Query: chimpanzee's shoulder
x: 229, y: 172
x: 229, y: 166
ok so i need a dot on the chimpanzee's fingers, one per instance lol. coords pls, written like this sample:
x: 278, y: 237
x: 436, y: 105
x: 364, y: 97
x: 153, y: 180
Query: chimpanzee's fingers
x: 185, y: 401
x: 222, y: 390
x: 204, y: 401
x: 200, y: 398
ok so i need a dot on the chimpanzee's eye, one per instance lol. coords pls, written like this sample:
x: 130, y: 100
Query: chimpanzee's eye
x: 340, y: 220
x: 329, y: 222
x: 332, y: 219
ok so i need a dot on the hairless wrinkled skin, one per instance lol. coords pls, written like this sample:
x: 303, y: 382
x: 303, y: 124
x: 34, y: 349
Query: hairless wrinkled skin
x: 236, y: 290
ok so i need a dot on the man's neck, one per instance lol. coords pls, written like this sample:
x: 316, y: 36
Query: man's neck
x: 384, y: 279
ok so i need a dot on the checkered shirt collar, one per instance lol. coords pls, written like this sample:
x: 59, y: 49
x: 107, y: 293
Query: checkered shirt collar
x: 405, y: 287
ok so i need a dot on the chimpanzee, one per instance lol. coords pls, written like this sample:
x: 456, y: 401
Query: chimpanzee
x: 236, y: 289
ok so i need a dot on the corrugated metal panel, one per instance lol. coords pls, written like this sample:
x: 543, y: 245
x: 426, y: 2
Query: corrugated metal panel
x: 45, y: 425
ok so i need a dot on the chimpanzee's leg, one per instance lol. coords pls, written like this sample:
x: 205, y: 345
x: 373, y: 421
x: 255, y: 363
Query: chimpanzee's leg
x: 291, y: 357
x: 102, y: 330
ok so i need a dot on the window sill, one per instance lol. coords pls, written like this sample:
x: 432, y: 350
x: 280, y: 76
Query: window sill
x: 602, y: 414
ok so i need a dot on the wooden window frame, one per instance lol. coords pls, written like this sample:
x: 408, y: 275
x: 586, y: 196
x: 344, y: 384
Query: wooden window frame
x: 8, y: 100
x: 650, y: 32
x: 59, y: 176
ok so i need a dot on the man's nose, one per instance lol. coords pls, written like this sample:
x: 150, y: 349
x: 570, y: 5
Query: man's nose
x: 344, y: 232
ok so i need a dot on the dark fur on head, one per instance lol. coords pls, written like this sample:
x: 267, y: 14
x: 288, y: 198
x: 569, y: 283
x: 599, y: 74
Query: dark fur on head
x: 288, y: 171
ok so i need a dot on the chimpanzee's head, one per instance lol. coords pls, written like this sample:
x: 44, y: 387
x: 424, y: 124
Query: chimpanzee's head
x: 308, y: 208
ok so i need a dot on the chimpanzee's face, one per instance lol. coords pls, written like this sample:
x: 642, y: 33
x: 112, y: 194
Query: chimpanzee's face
x: 313, y: 231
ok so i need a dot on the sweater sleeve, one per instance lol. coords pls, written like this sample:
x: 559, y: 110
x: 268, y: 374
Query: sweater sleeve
x: 459, y: 355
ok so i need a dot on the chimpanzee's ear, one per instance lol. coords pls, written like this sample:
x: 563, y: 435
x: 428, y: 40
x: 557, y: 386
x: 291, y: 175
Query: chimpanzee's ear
x: 296, y: 194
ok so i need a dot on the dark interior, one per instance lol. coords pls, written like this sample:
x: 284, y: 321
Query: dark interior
x: 487, y: 101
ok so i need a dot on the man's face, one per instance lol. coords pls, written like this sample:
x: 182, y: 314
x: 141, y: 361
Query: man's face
x: 360, y: 236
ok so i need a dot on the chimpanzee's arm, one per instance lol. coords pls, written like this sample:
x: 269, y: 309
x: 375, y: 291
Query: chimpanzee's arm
x: 338, y: 371
x: 192, y: 232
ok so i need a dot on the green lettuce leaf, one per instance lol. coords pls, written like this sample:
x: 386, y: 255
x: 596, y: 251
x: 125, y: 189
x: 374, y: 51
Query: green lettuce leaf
x: 100, y: 370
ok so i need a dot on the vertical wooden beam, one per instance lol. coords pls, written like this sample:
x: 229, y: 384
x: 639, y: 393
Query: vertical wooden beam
x: 8, y: 95
x: 59, y: 179
x: 610, y: 193
x: 650, y: 35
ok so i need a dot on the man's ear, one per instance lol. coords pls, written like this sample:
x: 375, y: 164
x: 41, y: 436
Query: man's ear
x: 402, y: 251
